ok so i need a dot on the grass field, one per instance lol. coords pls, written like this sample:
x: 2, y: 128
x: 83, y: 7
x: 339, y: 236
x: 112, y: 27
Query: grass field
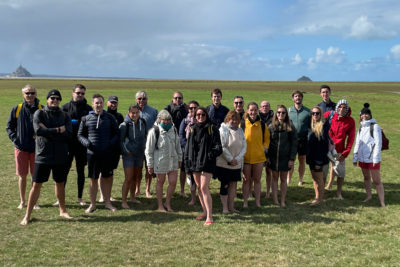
x: 337, y: 233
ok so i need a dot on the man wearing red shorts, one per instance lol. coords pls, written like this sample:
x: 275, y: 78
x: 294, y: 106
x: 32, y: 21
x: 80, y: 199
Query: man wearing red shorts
x: 21, y: 133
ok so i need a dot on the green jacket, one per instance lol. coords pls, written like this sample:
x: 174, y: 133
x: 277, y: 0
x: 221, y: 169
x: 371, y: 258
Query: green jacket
x: 301, y: 120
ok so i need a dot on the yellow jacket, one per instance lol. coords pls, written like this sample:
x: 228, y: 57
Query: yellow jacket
x: 255, y: 147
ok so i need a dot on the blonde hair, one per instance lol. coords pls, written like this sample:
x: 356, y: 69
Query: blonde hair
x: 318, y: 126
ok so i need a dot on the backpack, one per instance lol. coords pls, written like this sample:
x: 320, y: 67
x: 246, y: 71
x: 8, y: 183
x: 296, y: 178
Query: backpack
x: 243, y: 126
x: 19, y: 109
x: 385, y: 141
x: 157, y: 132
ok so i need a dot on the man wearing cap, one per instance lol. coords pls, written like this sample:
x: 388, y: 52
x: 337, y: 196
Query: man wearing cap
x: 301, y: 119
x: 112, y: 107
x: 20, y: 131
x: 76, y: 109
x: 342, y: 133
x: 53, y: 129
x: 149, y: 114
x: 98, y: 132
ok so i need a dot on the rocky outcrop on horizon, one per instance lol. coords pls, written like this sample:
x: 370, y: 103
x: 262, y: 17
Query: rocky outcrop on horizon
x: 304, y: 79
x: 20, y: 72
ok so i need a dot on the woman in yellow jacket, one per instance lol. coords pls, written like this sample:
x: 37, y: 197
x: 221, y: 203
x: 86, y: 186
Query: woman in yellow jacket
x: 257, y: 139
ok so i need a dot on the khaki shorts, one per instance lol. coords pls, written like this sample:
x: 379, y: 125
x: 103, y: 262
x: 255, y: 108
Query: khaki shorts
x: 339, y: 168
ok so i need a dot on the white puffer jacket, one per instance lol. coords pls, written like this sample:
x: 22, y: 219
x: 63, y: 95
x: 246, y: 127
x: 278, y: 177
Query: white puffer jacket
x: 367, y: 148
x: 226, y: 156
x: 169, y: 153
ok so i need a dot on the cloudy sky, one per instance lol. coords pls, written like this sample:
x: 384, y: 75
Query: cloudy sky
x: 327, y: 40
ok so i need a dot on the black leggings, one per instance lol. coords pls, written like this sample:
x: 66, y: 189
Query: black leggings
x: 223, y: 190
x: 80, y: 162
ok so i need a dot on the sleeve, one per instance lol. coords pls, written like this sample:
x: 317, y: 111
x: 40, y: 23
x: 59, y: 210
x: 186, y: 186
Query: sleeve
x: 350, y: 138
x: 114, y: 132
x: 216, y: 148
x: 40, y: 131
x: 293, y: 147
x: 357, y: 145
x: 244, y: 147
x: 224, y: 143
x: 150, y: 147
x: 67, y: 134
x: 182, y: 134
x: 178, y: 146
x: 266, y: 137
x: 186, y: 153
x: 83, y: 133
x: 11, y: 127
x: 377, y: 144
x: 122, y: 134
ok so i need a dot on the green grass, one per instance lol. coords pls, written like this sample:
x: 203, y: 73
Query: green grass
x: 336, y: 233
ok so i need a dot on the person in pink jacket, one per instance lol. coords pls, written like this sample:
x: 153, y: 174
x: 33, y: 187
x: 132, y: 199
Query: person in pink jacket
x: 342, y: 133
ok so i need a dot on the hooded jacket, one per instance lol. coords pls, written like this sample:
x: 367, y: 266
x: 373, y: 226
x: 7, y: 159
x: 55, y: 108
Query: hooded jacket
x: 76, y: 110
x: 282, y: 148
x: 51, y: 146
x: 98, y: 133
x: 169, y: 153
x: 227, y: 155
x: 178, y: 113
x: 257, y: 145
x: 133, y: 137
x: 367, y: 148
x: 342, y: 129
x: 20, y: 130
x: 201, y: 156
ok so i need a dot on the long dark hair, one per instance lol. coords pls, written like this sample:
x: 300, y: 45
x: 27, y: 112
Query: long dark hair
x: 204, y: 110
x: 286, y: 125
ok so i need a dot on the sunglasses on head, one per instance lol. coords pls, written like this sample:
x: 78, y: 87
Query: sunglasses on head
x: 30, y: 93
x: 54, y: 98
x: 79, y: 93
x: 315, y: 113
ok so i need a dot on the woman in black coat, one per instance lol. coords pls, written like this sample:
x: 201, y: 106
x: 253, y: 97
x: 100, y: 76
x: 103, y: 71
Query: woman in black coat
x: 282, y: 151
x: 202, y: 148
x: 317, y: 150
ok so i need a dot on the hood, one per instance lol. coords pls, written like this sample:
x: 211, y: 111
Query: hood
x: 368, y: 122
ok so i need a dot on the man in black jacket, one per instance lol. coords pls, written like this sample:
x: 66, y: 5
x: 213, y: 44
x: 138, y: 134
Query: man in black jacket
x: 98, y: 132
x: 21, y: 133
x: 76, y: 109
x: 53, y: 129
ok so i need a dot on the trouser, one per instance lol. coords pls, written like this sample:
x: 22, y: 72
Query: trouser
x: 78, y: 152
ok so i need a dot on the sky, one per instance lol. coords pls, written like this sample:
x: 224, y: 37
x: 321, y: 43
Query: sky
x: 267, y: 40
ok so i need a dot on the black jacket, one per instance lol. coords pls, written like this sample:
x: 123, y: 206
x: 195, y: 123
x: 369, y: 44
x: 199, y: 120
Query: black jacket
x: 282, y: 148
x: 178, y: 113
x: 51, y: 147
x: 201, y: 155
x: 98, y: 133
x: 20, y: 130
x: 317, y: 150
x: 266, y: 118
x: 76, y: 110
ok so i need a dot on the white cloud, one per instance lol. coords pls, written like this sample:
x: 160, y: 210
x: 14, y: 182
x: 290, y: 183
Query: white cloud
x: 297, y: 59
x: 395, y: 51
x: 333, y: 55
x: 101, y: 53
x: 364, y: 29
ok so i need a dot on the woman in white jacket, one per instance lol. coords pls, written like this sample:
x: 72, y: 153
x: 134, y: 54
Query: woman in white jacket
x: 163, y: 155
x: 367, y: 152
x: 230, y: 162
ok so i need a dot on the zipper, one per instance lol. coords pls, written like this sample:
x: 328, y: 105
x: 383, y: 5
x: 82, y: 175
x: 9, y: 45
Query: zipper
x: 277, y: 153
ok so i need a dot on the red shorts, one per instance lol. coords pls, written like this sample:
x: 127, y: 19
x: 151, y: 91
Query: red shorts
x: 24, y: 161
x: 369, y: 166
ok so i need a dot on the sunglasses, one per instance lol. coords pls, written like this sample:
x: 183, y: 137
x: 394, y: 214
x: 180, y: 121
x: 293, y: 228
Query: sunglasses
x: 265, y: 106
x: 191, y: 108
x: 239, y: 103
x: 54, y: 98
x: 200, y: 115
x: 315, y: 113
x: 30, y: 93
x: 141, y: 98
x: 178, y: 98
x: 281, y: 112
x: 79, y: 93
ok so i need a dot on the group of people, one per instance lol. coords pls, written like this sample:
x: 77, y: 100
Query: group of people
x: 200, y: 142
